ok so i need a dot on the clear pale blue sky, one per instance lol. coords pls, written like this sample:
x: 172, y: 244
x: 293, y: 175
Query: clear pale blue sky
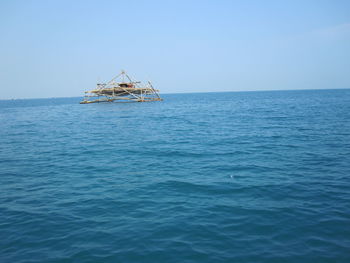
x: 62, y: 48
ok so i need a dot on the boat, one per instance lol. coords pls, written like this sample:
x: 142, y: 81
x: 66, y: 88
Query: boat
x: 122, y: 89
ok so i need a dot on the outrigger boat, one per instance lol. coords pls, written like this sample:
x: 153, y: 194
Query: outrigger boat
x: 126, y: 90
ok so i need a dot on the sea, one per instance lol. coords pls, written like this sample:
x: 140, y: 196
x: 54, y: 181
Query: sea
x: 203, y: 177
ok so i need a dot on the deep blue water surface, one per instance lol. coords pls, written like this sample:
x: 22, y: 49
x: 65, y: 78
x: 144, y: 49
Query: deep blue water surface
x: 212, y: 177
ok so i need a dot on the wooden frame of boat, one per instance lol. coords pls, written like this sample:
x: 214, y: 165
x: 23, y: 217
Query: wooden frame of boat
x: 126, y: 90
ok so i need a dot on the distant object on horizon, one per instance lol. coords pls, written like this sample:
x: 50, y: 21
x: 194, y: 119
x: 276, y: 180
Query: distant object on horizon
x: 126, y: 90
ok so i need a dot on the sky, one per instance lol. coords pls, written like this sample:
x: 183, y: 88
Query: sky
x: 63, y: 48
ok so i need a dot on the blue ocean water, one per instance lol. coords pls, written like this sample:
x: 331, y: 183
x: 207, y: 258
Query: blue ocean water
x: 211, y: 177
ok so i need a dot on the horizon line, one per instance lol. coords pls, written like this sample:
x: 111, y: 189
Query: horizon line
x: 196, y: 92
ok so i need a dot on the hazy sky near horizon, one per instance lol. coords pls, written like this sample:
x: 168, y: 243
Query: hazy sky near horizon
x: 62, y: 48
